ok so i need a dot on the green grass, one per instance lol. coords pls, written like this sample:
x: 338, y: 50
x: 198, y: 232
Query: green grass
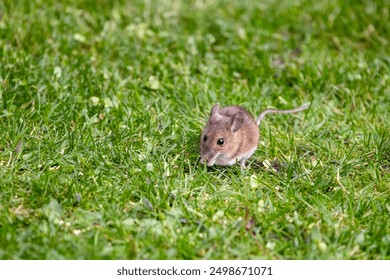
x: 102, y: 105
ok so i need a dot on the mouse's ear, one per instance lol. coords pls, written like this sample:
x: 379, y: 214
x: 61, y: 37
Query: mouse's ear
x: 237, y: 121
x: 215, y: 110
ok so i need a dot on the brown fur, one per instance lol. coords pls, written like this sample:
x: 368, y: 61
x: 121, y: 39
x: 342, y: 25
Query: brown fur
x: 239, y: 132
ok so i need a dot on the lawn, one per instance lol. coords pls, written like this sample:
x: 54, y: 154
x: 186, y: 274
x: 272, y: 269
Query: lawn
x: 102, y: 104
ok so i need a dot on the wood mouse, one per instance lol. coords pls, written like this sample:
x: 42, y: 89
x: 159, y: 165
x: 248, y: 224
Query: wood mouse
x: 231, y: 134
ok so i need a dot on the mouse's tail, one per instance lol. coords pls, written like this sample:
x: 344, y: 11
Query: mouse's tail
x: 274, y: 111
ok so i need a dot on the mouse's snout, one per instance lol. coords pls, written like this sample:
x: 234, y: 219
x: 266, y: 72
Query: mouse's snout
x: 204, y: 160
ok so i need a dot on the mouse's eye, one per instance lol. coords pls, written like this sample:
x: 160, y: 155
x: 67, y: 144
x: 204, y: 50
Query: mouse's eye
x: 220, y: 141
x: 205, y: 138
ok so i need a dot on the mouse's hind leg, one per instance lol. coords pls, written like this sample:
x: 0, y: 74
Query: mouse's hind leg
x: 246, y: 156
